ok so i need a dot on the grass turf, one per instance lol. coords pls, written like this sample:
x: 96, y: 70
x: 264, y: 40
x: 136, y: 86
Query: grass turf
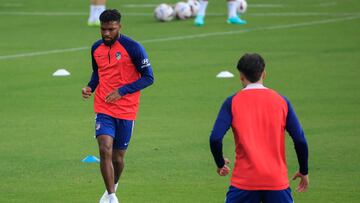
x: 312, y: 53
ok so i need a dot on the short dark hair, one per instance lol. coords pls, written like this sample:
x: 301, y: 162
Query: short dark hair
x: 110, y: 15
x: 252, y: 66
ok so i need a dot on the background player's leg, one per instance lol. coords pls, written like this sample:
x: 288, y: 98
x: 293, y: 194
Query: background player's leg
x: 199, y: 20
x: 118, y: 163
x: 105, y: 149
x: 100, y: 7
x: 233, y: 18
x: 232, y: 8
x: 96, y: 8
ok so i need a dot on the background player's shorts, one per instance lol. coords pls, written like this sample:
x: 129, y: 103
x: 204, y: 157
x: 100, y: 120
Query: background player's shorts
x: 121, y: 130
x: 236, y: 195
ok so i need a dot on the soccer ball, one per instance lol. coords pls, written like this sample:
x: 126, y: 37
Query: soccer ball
x: 164, y: 12
x: 241, y: 6
x: 182, y: 10
x: 194, y: 6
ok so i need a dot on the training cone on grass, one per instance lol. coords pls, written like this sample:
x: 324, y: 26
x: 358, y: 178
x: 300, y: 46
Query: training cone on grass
x: 61, y: 72
x: 91, y: 159
x: 225, y: 74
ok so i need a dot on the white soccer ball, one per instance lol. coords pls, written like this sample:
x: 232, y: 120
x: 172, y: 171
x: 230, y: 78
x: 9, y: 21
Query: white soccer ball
x: 194, y: 6
x: 164, y: 12
x: 241, y: 6
x: 182, y: 10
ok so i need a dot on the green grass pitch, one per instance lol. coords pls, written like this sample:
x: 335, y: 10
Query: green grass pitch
x: 312, y: 52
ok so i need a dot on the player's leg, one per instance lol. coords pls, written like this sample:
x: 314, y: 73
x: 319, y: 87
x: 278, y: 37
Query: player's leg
x: 101, y: 7
x: 235, y: 195
x: 105, y: 149
x: 233, y: 18
x: 124, y: 130
x: 96, y: 8
x: 278, y: 196
x: 200, y: 17
x: 105, y: 133
x: 91, y: 19
x: 118, y: 163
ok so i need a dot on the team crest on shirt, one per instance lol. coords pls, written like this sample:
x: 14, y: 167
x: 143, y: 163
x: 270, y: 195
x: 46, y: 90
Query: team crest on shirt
x: 118, y: 55
x: 98, y: 125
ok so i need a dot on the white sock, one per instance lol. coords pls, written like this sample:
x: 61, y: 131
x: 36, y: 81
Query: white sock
x: 99, y: 10
x: 232, y: 9
x: 92, y: 13
x: 106, y: 194
x: 112, y: 197
x: 202, y: 9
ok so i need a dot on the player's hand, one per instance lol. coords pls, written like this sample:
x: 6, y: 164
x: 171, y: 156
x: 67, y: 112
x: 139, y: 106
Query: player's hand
x: 304, y: 182
x: 86, y: 92
x: 112, y: 96
x: 225, y: 169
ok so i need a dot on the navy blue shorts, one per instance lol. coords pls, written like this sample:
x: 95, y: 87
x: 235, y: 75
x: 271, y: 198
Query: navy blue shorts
x: 120, y: 130
x: 236, y: 195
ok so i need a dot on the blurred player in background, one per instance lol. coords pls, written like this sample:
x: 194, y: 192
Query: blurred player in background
x: 233, y: 17
x: 121, y: 69
x: 259, y: 117
x: 96, y: 8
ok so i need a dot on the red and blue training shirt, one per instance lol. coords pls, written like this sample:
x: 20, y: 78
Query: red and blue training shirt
x: 124, y: 66
x: 259, y: 117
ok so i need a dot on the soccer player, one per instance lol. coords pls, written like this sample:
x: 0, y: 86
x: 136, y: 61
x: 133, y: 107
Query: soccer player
x: 96, y: 8
x: 259, y: 117
x: 121, y: 69
x: 233, y: 17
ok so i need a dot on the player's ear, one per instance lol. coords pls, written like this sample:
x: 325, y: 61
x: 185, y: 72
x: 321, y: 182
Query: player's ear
x: 242, y: 78
x: 263, y: 75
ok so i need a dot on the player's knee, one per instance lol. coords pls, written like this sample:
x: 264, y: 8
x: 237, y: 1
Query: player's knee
x: 118, y: 160
x: 105, y: 151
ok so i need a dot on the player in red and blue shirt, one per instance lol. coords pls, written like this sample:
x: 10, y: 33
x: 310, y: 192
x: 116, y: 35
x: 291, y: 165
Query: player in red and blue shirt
x: 121, y: 69
x: 259, y: 117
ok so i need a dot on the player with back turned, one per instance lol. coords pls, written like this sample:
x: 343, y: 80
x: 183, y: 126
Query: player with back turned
x: 259, y: 117
x: 121, y: 69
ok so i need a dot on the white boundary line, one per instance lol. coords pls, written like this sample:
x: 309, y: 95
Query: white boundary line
x: 267, y: 5
x: 326, y: 4
x: 290, y: 14
x: 176, y: 38
x: 40, y: 13
x: 303, y: 14
x: 35, y: 13
x: 274, y: 27
x: 12, y: 5
x: 140, y: 5
x: 40, y: 53
x: 250, y: 5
